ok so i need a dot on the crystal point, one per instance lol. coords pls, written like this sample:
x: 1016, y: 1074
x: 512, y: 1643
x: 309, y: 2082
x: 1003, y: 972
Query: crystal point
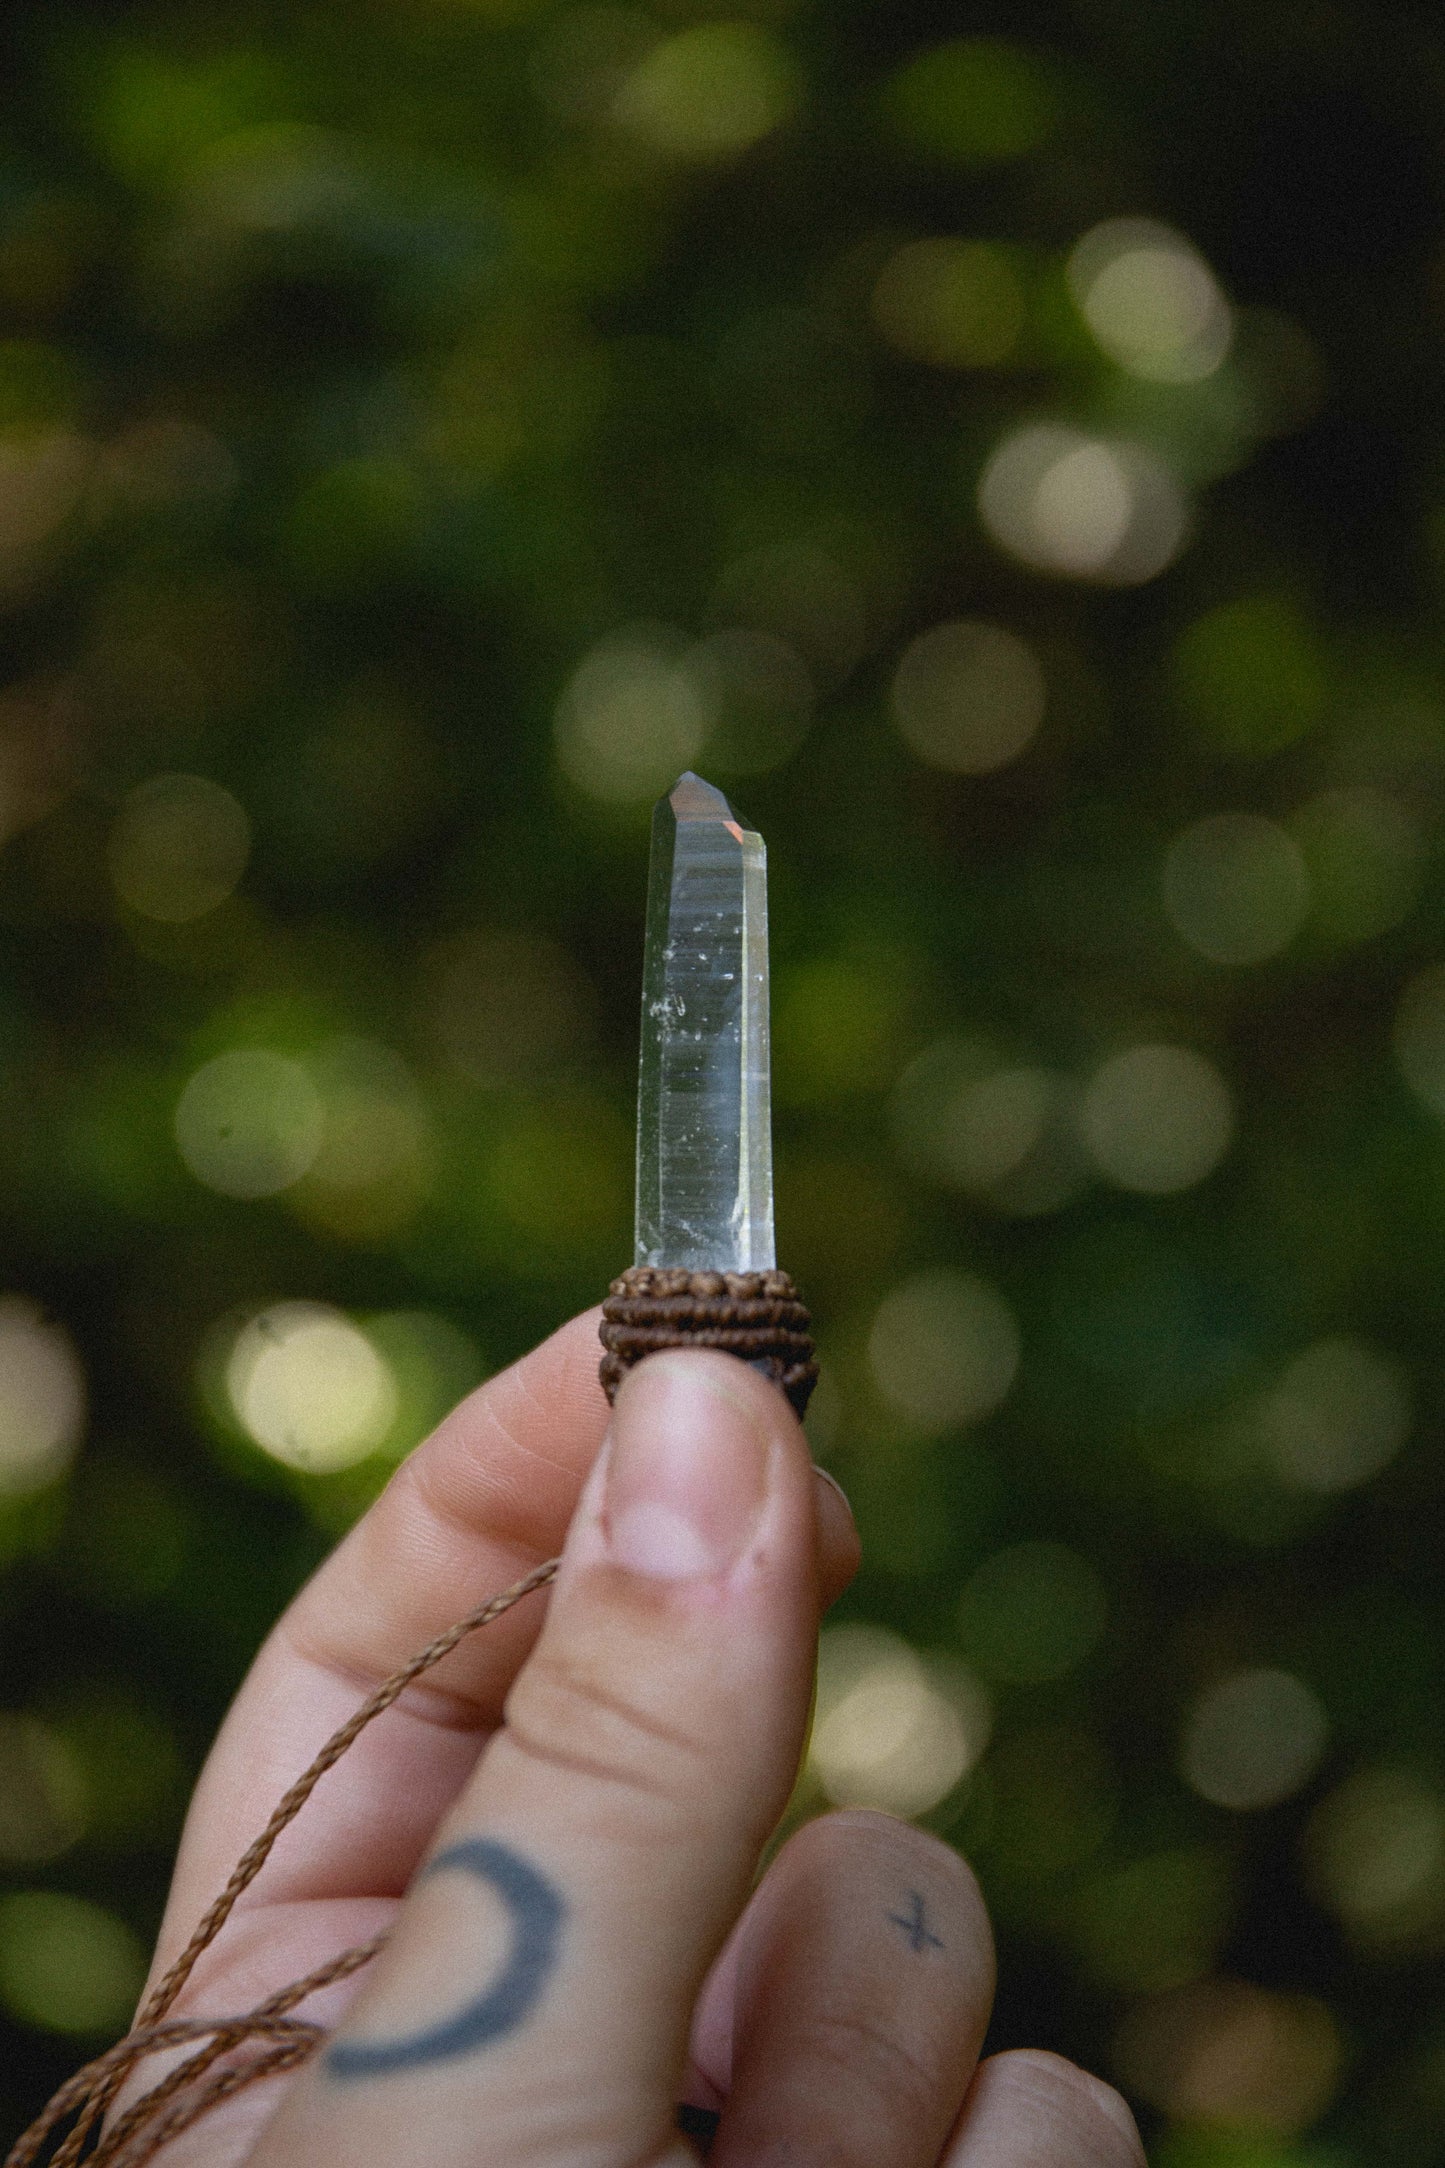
x: 704, y: 1122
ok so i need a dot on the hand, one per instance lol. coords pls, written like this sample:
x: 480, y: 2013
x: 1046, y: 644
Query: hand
x: 565, y: 1825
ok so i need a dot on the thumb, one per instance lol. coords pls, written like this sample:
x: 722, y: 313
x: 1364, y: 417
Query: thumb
x: 537, y: 1993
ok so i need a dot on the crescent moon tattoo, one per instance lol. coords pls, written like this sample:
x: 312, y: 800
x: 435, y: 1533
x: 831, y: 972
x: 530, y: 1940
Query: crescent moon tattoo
x: 536, y: 1912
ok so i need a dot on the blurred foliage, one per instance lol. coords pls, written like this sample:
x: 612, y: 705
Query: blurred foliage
x: 1007, y: 454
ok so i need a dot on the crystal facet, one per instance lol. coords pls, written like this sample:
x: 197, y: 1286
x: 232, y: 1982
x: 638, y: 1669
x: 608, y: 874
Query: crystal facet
x: 704, y: 1122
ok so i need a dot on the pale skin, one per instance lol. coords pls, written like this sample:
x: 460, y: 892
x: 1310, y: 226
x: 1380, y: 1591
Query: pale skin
x: 562, y: 1826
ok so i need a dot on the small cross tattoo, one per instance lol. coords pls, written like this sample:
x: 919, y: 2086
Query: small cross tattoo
x: 915, y: 1926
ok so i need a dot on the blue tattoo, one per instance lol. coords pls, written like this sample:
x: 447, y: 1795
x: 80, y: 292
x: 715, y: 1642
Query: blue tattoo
x: 537, y: 1912
x: 915, y: 1925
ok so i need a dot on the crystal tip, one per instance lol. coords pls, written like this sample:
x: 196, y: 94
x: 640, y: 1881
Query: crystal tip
x: 692, y: 799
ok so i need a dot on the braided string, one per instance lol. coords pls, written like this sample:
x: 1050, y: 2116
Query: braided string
x: 757, y: 1316
x: 186, y: 2092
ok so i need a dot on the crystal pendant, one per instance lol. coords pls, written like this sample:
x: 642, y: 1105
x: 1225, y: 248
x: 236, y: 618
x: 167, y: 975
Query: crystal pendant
x: 704, y: 1119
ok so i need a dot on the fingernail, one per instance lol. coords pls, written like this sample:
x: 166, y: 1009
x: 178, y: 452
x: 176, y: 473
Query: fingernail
x: 687, y: 1471
x: 833, y: 1484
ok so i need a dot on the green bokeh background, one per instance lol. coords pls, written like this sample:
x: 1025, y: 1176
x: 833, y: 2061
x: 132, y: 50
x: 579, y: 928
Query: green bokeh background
x: 362, y: 370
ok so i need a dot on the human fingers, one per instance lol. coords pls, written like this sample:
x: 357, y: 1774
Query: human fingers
x: 533, y: 2003
x: 845, y: 2024
x: 1027, y: 2109
x: 485, y: 1498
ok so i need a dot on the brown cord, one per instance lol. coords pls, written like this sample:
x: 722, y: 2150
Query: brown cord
x: 758, y: 1316
x: 179, y: 2099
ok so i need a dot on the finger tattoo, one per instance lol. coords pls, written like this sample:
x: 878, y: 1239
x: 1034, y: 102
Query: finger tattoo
x: 915, y: 1924
x: 536, y: 1910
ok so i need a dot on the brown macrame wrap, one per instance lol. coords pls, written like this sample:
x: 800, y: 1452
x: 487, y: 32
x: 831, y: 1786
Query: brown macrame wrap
x: 755, y: 1315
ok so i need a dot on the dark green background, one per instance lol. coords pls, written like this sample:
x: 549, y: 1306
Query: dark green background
x: 391, y: 370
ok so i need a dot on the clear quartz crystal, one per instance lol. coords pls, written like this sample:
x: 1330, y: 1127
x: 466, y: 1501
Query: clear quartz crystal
x: 704, y: 1119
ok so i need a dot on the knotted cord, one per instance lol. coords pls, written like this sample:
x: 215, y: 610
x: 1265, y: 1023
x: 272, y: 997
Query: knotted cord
x: 188, y: 2092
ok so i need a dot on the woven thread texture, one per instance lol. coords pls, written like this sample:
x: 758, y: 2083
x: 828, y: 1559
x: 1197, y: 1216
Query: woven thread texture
x: 758, y: 1316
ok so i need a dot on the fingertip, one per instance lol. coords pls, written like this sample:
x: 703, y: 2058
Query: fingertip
x: 863, y: 1981
x: 1031, y: 2097
x: 669, y: 1376
x: 566, y: 1365
x: 504, y: 1467
x: 704, y: 1472
x: 850, y: 1834
x: 727, y: 1376
x: 840, y: 1552
x: 557, y: 1379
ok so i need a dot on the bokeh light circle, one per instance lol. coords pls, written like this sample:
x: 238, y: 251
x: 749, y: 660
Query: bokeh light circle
x: 1083, y: 507
x: 370, y: 1172
x: 43, y: 1793
x: 1253, y: 1739
x: 944, y: 1349
x: 891, y: 1731
x: 1251, y: 674
x: 310, y: 1388
x: 178, y: 847
x: 1157, y: 1119
x: 969, y: 1114
x: 1227, y: 2056
x: 632, y: 717
x: 1156, y: 1920
x: 1236, y: 887
x: 1365, y: 853
x: 707, y: 94
x: 42, y: 1398
x: 968, y: 697
x: 1150, y: 300
x: 1339, y: 1414
x: 949, y: 303
x: 994, y: 1124
x: 250, y: 1122
x: 67, y: 1965
x: 1375, y: 1853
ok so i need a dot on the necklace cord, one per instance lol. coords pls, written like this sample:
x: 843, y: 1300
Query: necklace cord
x: 194, y: 2086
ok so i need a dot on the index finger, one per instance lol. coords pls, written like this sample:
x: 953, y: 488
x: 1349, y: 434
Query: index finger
x: 487, y: 1496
